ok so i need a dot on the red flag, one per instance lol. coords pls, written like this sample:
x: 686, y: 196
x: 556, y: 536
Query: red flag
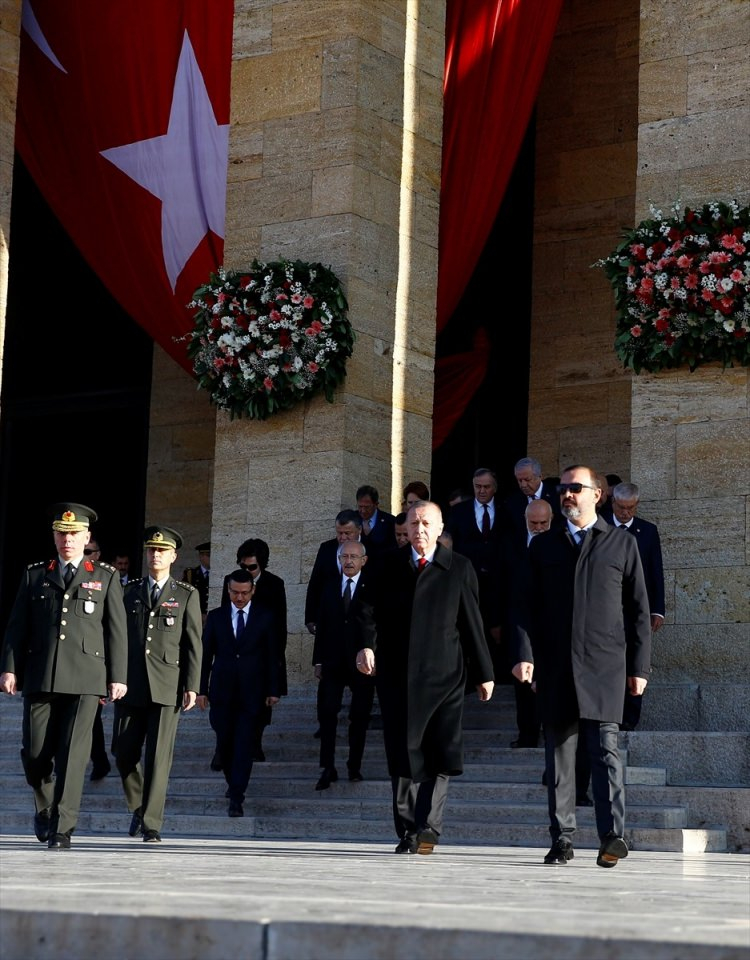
x: 123, y: 122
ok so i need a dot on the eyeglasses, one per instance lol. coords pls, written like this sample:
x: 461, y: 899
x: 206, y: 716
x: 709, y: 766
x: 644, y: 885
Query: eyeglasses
x: 88, y: 552
x: 249, y: 566
x: 573, y: 487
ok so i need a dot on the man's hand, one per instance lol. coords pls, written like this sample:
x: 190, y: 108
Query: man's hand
x: 271, y: 701
x: 636, y: 685
x: 523, y: 671
x: 485, y: 689
x: 656, y: 622
x: 201, y: 701
x: 189, y: 698
x: 8, y: 683
x: 117, y: 690
x: 310, y: 627
x: 318, y: 670
x: 366, y: 661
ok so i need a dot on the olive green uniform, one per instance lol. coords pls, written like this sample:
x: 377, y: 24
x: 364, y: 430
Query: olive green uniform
x: 65, y: 646
x: 164, y: 661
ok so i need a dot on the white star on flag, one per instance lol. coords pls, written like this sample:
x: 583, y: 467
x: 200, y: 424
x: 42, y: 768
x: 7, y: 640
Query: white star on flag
x: 186, y: 168
x: 30, y: 24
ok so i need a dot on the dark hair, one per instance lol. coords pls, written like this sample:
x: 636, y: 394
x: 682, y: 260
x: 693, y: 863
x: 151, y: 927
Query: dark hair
x: 349, y: 516
x: 254, y: 548
x: 367, y: 491
x: 240, y: 576
x: 416, y: 486
x: 613, y: 479
x: 400, y: 519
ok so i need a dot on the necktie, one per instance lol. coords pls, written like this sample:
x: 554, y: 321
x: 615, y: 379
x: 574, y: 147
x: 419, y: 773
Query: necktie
x: 366, y: 527
x: 347, y: 595
x: 155, y: 591
x: 240, y: 623
x: 421, y: 564
x: 486, y: 521
x: 581, y: 537
x: 70, y: 572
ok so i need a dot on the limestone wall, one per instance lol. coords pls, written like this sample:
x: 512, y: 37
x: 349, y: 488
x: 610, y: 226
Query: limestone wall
x: 691, y: 431
x: 10, y: 27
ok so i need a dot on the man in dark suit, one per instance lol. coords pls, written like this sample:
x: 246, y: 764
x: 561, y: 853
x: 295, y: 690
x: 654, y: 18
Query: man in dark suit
x: 378, y: 527
x: 348, y: 527
x: 625, y: 499
x: 270, y: 592
x: 239, y: 676
x: 419, y: 638
x: 164, y: 659
x: 101, y: 766
x: 65, y: 647
x: 582, y: 633
x: 476, y: 527
x: 198, y: 577
x: 334, y: 656
x: 531, y: 486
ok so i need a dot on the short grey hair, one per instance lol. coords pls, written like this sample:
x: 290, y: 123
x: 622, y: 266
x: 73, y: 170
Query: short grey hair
x: 348, y: 543
x: 626, y: 491
x: 524, y: 462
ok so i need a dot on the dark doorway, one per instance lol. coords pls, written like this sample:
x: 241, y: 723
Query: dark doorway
x: 493, y: 430
x: 75, y: 397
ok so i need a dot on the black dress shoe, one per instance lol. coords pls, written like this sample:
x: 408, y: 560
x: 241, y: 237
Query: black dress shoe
x: 584, y: 801
x: 426, y: 841
x: 41, y: 825
x: 99, y: 773
x: 406, y: 845
x: 355, y: 776
x: 59, y: 841
x: 235, y: 809
x: 136, y: 824
x: 151, y: 836
x: 560, y: 852
x: 327, y: 777
x: 216, y: 762
x: 613, y: 848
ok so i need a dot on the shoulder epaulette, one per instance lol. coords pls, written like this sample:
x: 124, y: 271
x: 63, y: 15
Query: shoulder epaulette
x: 107, y: 566
x: 39, y: 563
x: 184, y: 583
x: 133, y: 583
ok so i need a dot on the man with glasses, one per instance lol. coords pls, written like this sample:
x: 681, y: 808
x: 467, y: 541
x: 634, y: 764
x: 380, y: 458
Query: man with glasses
x: 334, y: 661
x: 65, y: 647
x: 582, y: 632
x: 239, y: 676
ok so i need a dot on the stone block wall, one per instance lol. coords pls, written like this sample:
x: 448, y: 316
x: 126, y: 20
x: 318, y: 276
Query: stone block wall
x: 579, y: 399
x: 10, y: 28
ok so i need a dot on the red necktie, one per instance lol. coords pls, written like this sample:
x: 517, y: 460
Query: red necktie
x: 421, y: 564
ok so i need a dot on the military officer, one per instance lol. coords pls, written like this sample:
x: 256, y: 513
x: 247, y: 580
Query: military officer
x: 65, y: 647
x: 164, y: 668
x: 198, y: 576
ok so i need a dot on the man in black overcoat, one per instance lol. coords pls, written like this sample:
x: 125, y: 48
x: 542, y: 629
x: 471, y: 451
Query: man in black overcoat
x: 421, y: 637
x: 582, y: 632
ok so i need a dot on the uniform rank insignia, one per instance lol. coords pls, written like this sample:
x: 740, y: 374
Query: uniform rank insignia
x: 92, y: 585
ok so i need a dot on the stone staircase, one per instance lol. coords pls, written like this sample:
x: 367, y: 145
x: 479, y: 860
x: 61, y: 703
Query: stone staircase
x: 499, y: 800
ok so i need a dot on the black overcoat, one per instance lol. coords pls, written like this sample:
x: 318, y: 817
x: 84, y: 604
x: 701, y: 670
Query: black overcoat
x: 583, y: 621
x: 426, y: 630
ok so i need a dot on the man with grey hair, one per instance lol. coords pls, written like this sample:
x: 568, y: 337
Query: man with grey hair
x: 531, y: 487
x: 625, y: 500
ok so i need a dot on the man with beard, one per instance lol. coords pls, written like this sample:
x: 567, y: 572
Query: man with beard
x: 583, y: 632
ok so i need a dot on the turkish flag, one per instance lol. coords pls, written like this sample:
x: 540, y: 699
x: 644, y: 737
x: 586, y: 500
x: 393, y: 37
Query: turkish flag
x: 123, y: 122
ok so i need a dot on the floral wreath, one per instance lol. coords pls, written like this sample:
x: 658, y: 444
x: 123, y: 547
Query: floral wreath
x: 681, y: 289
x: 267, y: 337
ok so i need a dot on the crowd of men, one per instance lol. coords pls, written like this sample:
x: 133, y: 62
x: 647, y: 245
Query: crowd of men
x: 540, y: 589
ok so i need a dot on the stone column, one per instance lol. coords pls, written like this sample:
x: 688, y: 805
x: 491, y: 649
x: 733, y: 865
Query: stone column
x: 690, y: 445
x: 334, y: 157
x: 10, y: 28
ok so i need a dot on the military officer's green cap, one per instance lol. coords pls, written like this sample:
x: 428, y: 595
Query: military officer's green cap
x: 160, y: 536
x: 70, y: 517
x: 204, y: 547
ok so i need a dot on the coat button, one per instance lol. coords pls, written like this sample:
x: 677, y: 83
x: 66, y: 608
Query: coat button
x: 62, y: 636
x: 63, y: 623
x: 64, y: 609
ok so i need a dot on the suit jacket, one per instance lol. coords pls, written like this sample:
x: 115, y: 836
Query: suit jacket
x: 164, y: 643
x: 337, y: 638
x: 485, y: 555
x: 649, y: 547
x: 584, y: 622
x: 198, y: 579
x: 325, y: 566
x: 383, y: 534
x: 245, y: 666
x: 426, y: 630
x: 70, y: 640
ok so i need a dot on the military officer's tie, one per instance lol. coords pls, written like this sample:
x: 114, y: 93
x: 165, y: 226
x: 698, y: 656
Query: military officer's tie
x: 347, y: 595
x: 240, y: 623
x: 155, y: 591
x: 70, y: 572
